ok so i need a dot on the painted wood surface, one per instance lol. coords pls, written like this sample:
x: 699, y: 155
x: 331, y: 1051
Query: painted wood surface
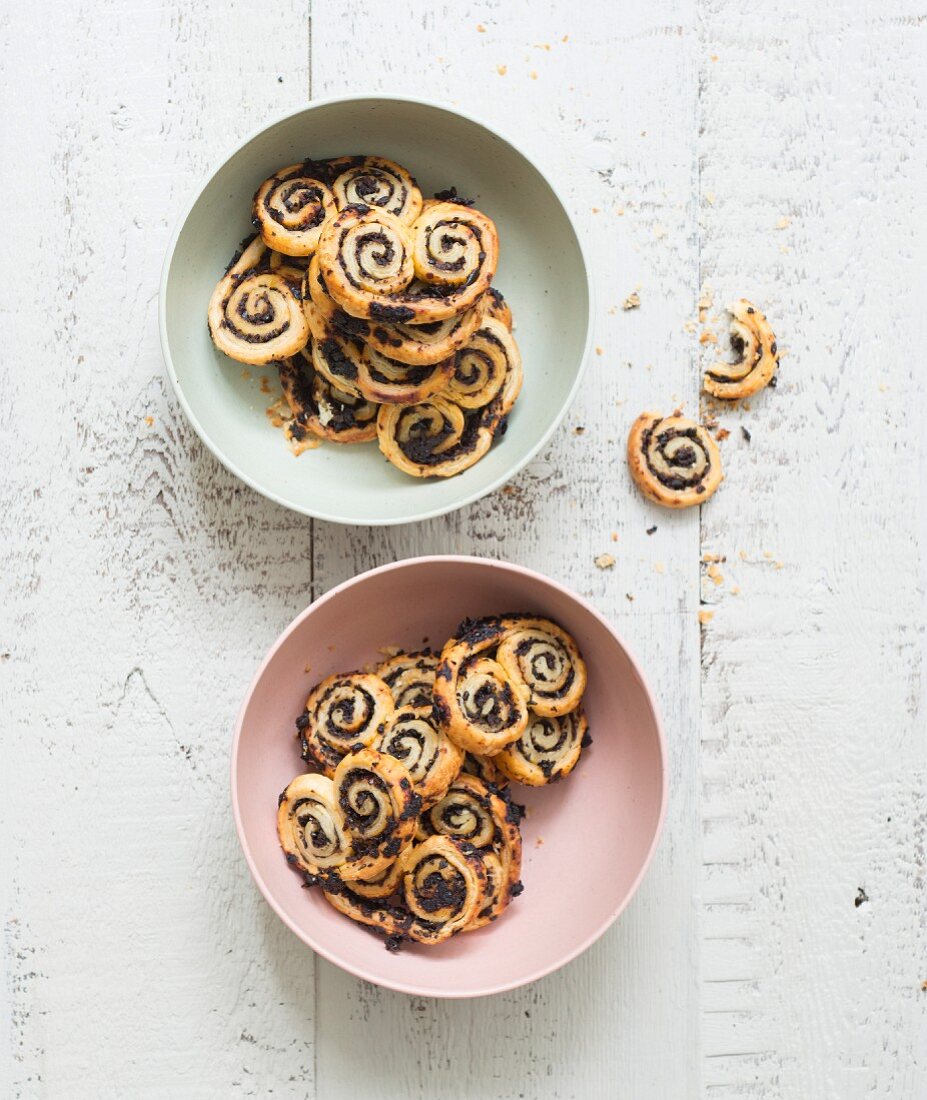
x: 772, y: 151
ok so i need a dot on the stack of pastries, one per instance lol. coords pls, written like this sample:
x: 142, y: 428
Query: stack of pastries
x: 406, y: 821
x: 376, y: 306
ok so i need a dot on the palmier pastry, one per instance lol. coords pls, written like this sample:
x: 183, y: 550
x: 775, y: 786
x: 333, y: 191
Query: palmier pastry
x: 430, y: 756
x: 673, y: 460
x: 310, y: 825
x: 322, y: 409
x: 290, y: 208
x: 444, y: 888
x: 378, y: 182
x: 410, y: 677
x: 434, y: 438
x: 543, y: 662
x: 388, y: 382
x: 343, y: 712
x: 548, y: 749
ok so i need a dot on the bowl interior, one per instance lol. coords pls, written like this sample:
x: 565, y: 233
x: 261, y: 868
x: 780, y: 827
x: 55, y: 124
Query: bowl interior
x: 541, y: 272
x: 586, y: 840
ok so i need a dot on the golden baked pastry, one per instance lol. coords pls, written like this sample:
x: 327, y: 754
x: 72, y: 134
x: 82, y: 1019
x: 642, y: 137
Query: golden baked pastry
x: 377, y: 182
x: 365, y: 258
x: 434, y: 438
x: 321, y: 409
x: 380, y: 808
x: 391, y: 383
x: 424, y: 344
x: 673, y: 460
x: 255, y: 314
x: 444, y: 887
x: 290, y: 208
x: 754, y: 343
x: 342, y: 713
x: 410, y: 677
x: 475, y: 700
x: 484, y: 767
x: 548, y: 750
x: 543, y: 662
x: 310, y: 825
x: 430, y: 756
x: 482, y: 365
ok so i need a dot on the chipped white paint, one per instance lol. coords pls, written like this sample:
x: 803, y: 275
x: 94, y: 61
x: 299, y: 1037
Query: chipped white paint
x: 143, y: 583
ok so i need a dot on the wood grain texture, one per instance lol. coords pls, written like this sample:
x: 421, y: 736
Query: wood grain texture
x: 813, y: 753
x: 143, y: 583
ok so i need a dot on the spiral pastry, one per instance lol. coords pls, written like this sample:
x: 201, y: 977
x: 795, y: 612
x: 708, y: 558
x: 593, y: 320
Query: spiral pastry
x: 391, y: 383
x: 430, y: 757
x: 290, y: 208
x: 433, y: 438
x: 474, y: 813
x: 365, y: 258
x: 410, y: 677
x: 543, y: 663
x: 548, y: 750
x: 483, y: 767
x: 455, y: 246
x: 476, y: 703
x: 483, y: 364
x: 343, y: 713
x: 376, y: 181
x: 310, y: 825
x: 321, y: 409
x: 444, y: 887
x: 754, y: 343
x: 424, y: 345
x: 673, y: 460
x: 255, y: 314
x: 380, y: 808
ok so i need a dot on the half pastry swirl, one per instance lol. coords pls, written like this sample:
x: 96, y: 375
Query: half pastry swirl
x: 548, y: 749
x: 410, y: 677
x: 342, y: 713
x: 673, y: 460
x: 444, y: 887
x: 290, y: 208
x: 376, y: 181
x: 255, y: 314
x: 544, y: 663
x: 434, y: 438
x: 392, y: 383
x: 476, y: 702
x: 310, y: 825
x: 380, y: 808
x: 430, y: 756
x: 754, y: 343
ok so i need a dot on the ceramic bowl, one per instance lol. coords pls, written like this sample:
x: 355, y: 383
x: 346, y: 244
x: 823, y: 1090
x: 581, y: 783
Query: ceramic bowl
x: 541, y: 272
x: 587, y: 839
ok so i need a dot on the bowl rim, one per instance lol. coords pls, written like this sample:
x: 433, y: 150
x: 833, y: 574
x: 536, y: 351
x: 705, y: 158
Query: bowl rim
x: 267, y: 491
x: 398, y: 984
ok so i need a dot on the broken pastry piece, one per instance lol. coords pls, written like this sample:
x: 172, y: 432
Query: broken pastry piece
x: 673, y: 460
x: 754, y: 344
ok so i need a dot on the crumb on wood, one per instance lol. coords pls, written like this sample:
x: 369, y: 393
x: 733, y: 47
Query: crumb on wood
x: 533, y: 75
x: 768, y: 554
x: 710, y: 198
x: 659, y: 567
x: 705, y: 617
x: 598, y: 350
x: 480, y: 29
x: 659, y: 231
x: 783, y: 222
x: 629, y: 597
x: 614, y: 536
x: 743, y: 555
x: 595, y: 210
x: 652, y: 530
x: 579, y: 429
x: 735, y: 589
x: 745, y: 433
x: 714, y: 57
x: 633, y: 301
x: 721, y: 434
x: 715, y: 575
x: 707, y: 337
x: 861, y: 897
x: 708, y: 558
x: 502, y: 69
x: 149, y: 420
x: 604, y: 561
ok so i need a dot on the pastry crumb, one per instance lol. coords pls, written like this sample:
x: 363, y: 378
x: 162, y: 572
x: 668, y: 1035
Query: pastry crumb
x: 629, y: 597
x: 480, y: 29
x: 539, y: 842
x: 245, y: 374
x: 659, y: 231
x: 579, y: 429
x: 149, y: 420
x: 604, y: 561
x: 745, y: 433
x: 633, y: 301
x: 735, y: 589
x: 502, y: 69
x: 265, y: 384
x: 651, y: 530
x: 715, y: 575
x: 710, y: 198
x: 705, y: 617
x: 721, y: 434
x: 390, y: 650
x: 614, y: 536
x: 533, y: 75
x: 707, y: 558
x: 783, y: 222
x: 707, y: 337
x: 659, y: 567
x: 598, y: 350
x: 743, y: 555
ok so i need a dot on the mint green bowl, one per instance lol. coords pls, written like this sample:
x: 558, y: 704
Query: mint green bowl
x: 542, y: 274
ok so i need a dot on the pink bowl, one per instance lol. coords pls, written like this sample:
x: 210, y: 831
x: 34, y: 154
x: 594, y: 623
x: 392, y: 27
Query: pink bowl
x: 587, y: 840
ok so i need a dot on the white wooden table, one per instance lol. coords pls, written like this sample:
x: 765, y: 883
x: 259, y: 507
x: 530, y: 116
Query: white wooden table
x: 777, y: 946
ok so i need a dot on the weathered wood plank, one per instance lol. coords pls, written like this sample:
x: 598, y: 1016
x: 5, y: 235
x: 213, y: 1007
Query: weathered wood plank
x: 144, y: 583
x: 813, y: 768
